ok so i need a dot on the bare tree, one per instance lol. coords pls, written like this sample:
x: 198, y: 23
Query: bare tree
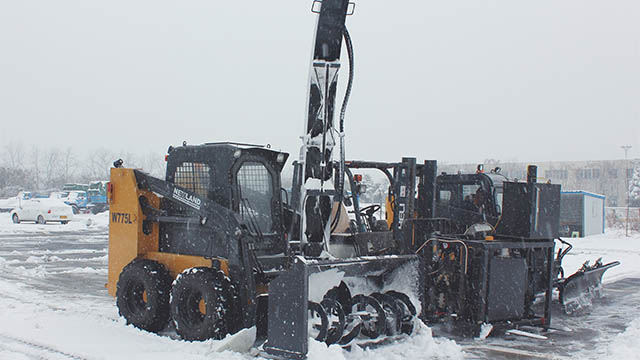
x: 51, y: 168
x: 154, y: 164
x: 68, y: 163
x: 35, y: 161
x: 97, y: 165
x: 15, y: 155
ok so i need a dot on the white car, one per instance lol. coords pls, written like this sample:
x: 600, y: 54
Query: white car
x: 41, y: 211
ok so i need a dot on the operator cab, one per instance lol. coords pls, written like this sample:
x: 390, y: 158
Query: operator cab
x: 469, y: 199
x: 243, y: 178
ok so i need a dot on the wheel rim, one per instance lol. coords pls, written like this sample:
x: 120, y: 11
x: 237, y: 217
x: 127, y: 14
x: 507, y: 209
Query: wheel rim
x: 190, y: 308
x: 137, y: 296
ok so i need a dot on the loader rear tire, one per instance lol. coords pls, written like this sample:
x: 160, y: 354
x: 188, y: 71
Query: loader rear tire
x: 199, y: 305
x: 142, y: 294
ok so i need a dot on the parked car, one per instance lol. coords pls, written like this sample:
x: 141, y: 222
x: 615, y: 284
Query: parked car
x: 58, y: 195
x: 77, y: 199
x: 6, y: 205
x: 41, y: 211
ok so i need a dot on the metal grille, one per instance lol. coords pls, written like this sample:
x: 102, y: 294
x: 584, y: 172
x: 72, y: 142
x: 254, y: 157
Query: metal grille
x: 255, y: 177
x: 256, y: 191
x: 194, y: 177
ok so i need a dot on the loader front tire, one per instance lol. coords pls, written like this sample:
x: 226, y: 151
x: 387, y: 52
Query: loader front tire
x: 142, y: 294
x: 199, y: 304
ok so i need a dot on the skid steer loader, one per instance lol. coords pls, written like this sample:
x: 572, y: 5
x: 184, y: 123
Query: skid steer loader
x: 213, y: 248
x: 206, y: 248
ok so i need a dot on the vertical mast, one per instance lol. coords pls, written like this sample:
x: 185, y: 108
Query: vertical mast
x: 320, y: 137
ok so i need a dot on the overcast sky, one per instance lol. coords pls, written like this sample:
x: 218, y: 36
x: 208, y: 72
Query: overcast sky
x: 457, y: 81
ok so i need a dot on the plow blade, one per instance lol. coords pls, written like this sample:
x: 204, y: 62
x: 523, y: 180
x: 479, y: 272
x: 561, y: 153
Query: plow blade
x: 578, y: 290
x: 343, y: 301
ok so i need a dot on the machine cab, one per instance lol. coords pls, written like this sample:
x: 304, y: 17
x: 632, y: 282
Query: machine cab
x: 243, y: 178
x: 467, y: 199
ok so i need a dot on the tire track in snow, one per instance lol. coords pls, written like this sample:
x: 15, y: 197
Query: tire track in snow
x: 37, y: 349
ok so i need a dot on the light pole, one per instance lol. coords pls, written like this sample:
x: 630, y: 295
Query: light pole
x: 626, y: 177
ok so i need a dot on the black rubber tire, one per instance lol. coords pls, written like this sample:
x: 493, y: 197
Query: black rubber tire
x: 234, y: 319
x: 137, y: 278
x: 97, y: 209
x: 64, y: 222
x: 192, y: 286
x: 15, y: 219
x: 40, y: 220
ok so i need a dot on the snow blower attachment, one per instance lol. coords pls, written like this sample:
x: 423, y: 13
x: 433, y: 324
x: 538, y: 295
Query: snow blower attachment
x: 356, y: 301
x: 577, y: 291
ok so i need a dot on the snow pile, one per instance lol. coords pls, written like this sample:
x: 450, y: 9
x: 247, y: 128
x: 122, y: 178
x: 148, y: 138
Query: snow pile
x: 625, y: 345
x: 9, y: 203
x: 52, y: 284
x: 420, y: 345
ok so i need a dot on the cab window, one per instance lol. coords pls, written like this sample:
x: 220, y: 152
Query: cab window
x: 194, y: 177
x: 255, y: 187
x: 444, y: 197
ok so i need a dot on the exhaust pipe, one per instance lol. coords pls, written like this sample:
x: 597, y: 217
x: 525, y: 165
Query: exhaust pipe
x: 532, y: 174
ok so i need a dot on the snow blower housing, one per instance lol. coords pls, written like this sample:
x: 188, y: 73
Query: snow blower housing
x: 351, y: 301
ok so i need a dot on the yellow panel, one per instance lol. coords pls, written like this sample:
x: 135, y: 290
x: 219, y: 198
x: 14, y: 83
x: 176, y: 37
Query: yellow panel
x: 389, y: 211
x: 177, y: 263
x: 126, y: 238
x: 127, y: 241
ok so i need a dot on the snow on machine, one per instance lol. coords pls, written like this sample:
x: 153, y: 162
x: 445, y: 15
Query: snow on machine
x: 486, y: 243
x: 213, y: 248
x: 217, y: 245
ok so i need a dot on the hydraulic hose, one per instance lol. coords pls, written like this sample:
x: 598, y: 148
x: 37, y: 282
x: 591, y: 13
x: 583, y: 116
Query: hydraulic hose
x: 343, y: 109
x: 349, y: 44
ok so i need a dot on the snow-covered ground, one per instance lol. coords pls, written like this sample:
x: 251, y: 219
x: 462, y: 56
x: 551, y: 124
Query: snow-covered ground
x: 55, y: 305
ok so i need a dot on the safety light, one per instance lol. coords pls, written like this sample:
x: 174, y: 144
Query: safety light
x: 357, y: 177
x: 109, y: 192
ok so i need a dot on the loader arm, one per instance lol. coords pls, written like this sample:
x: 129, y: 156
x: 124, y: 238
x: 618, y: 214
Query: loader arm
x: 229, y: 241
